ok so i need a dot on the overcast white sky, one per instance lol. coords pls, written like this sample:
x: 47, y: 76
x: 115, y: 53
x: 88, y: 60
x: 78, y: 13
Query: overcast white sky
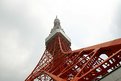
x: 24, y: 25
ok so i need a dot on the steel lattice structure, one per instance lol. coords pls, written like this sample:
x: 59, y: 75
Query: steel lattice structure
x: 60, y: 63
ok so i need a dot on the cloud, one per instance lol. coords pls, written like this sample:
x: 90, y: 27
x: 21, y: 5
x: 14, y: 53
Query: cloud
x: 24, y: 25
x: 19, y: 41
x: 116, y: 26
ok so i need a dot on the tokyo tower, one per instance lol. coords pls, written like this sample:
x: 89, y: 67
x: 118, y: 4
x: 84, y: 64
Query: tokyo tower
x: 60, y: 63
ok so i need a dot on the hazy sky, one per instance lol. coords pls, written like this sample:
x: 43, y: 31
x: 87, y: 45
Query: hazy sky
x: 24, y: 25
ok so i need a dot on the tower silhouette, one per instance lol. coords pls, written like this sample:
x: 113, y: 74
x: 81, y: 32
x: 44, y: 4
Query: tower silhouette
x: 60, y: 63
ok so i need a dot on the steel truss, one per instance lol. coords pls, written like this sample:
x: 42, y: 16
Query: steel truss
x: 60, y: 63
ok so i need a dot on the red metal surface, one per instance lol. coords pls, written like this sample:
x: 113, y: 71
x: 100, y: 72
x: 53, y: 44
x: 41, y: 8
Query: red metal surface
x: 60, y: 63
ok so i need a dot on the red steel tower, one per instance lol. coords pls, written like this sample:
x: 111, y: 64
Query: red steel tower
x: 60, y: 63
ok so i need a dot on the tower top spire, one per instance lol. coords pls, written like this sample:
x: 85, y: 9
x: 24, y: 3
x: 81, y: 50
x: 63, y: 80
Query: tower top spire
x: 57, y: 23
x: 57, y: 29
